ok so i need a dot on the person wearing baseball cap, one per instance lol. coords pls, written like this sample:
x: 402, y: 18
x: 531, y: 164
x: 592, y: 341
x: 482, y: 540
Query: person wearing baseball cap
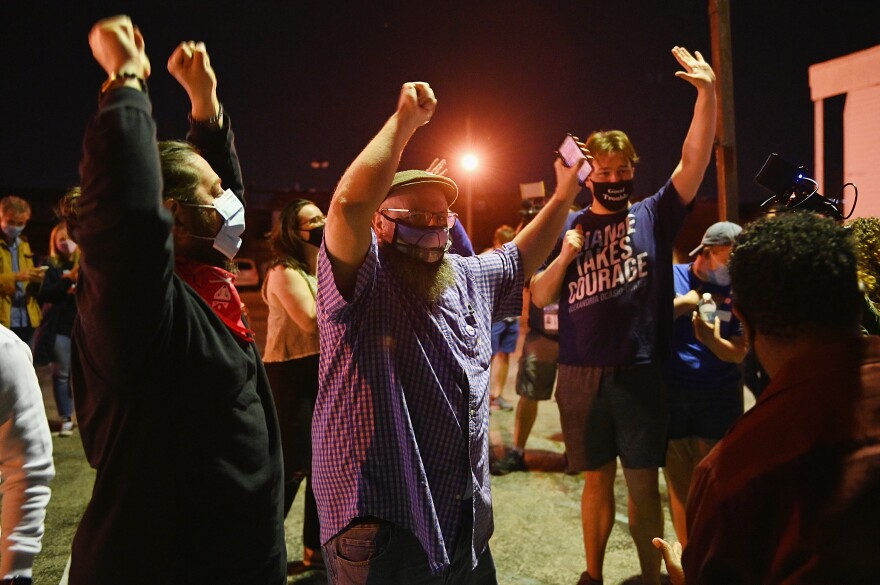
x: 721, y: 233
x: 703, y: 379
x: 400, y: 430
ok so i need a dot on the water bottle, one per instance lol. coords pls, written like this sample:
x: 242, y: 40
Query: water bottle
x: 706, y: 308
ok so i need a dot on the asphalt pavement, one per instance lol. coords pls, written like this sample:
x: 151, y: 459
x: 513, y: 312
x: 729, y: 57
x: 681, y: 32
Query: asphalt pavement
x: 537, y: 539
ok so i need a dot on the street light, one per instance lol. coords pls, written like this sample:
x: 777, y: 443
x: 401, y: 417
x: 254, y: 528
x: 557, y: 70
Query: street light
x: 469, y: 163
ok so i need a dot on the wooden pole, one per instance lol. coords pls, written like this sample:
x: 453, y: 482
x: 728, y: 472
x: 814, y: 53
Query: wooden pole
x: 725, y: 133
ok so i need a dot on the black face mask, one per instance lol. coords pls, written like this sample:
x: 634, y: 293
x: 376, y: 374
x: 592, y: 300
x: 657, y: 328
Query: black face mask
x: 316, y: 235
x: 613, y: 196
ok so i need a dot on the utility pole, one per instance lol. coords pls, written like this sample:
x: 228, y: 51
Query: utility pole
x: 725, y: 133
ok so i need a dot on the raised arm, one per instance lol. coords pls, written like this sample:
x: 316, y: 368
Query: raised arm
x: 365, y: 184
x: 210, y: 129
x: 536, y: 240
x: 696, y: 152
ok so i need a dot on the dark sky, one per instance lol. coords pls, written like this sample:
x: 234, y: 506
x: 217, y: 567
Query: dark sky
x: 315, y: 80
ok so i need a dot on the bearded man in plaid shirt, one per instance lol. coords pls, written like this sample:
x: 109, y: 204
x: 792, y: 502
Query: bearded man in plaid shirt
x: 400, y: 430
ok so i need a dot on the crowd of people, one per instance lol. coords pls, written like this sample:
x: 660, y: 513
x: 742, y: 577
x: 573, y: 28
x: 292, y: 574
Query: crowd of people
x: 388, y: 345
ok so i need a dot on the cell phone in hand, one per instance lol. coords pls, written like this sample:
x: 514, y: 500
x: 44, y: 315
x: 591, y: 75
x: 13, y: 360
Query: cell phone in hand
x: 571, y: 153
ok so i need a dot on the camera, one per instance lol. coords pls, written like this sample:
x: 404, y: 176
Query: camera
x: 530, y: 208
x: 793, y: 189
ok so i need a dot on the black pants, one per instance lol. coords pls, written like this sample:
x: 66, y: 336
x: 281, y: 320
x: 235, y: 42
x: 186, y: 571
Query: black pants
x: 295, y: 388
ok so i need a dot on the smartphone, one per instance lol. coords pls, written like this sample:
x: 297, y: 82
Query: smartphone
x: 571, y: 153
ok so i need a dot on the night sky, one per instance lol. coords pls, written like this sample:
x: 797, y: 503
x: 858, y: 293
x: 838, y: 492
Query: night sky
x: 308, y: 81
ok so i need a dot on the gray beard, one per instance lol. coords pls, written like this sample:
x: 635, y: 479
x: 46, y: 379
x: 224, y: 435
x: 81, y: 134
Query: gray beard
x: 426, y: 281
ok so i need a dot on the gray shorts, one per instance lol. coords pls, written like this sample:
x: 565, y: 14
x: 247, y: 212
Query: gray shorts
x: 610, y: 412
x: 537, y: 367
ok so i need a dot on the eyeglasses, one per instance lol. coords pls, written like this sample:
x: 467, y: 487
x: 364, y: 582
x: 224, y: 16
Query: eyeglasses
x: 314, y: 222
x: 420, y: 219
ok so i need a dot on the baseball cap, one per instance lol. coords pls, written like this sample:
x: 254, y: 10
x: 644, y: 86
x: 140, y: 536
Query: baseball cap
x: 719, y: 234
x: 414, y: 177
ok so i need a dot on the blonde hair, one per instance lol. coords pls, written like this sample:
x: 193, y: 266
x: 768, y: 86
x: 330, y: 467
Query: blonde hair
x: 504, y: 234
x: 604, y: 142
x: 53, y: 251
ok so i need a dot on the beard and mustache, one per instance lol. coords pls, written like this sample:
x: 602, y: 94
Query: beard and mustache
x: 427, y: 281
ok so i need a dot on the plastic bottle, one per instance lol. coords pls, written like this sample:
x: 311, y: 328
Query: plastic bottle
x: 706, y: 308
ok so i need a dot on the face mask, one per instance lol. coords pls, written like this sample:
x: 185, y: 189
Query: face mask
x: 13, y: 231
x: 613, y: 196
x: 316, y: 235
x: 426, y: 244
x: 67, y: 247
x: 228, y: 240
x: 719, y: 276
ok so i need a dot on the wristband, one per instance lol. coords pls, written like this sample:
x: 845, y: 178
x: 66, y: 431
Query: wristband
x: 213, y: 122
x: 116, y: 79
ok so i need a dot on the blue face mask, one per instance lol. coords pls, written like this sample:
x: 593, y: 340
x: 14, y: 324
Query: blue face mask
x: 13, y: 231
x: 425, y: 244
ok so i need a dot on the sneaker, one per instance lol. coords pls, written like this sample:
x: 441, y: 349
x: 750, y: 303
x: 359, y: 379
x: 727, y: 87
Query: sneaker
x: 513, y: 461
x: 500, y: 403
x: 66, y: 428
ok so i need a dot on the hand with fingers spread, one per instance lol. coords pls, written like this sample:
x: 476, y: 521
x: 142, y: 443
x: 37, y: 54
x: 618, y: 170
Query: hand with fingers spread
x: 416, y: 104
x: 438, y: 167
x: 696, y: 71
x: 672, y: 559
x: 191, y: 67
x: 118, y: 47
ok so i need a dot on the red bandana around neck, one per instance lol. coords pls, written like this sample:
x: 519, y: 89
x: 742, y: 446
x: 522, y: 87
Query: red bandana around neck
x: 216, y: 288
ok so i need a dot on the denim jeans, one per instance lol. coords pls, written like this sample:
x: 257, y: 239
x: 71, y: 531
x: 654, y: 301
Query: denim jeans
x: 375, y: 552
x: 61, y: 376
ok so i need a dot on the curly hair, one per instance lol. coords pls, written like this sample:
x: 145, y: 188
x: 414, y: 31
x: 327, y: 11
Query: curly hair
x: 866, y: 231
x: 795, y: 274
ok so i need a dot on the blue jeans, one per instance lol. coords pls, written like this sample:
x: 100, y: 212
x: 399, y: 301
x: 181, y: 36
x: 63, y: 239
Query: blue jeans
x: 376, y: 552
x: 61, y: 376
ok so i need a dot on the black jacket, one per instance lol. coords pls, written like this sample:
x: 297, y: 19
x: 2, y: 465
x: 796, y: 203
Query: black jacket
x: 175, y: 412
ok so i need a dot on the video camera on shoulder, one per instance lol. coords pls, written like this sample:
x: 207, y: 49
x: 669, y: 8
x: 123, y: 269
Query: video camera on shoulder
x: 792, y: 189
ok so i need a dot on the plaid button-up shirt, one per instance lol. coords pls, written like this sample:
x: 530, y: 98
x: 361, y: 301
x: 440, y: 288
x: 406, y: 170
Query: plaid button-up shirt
x: 400, y: 429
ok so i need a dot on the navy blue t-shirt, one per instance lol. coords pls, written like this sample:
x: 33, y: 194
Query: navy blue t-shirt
x: 615, y: 306
x: 692, y: 363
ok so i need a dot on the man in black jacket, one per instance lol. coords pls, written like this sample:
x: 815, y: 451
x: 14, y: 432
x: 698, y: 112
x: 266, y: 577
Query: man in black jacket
x: 173, y: 402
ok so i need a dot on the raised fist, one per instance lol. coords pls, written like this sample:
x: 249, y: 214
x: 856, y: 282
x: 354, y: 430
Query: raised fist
x: 416, y: 104
x: 191, y: 67
x: 573, y: 244
x: 118, y: 47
